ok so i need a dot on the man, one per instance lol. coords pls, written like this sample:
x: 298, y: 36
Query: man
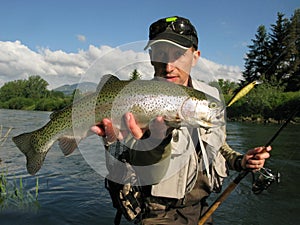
x: 173, y: 49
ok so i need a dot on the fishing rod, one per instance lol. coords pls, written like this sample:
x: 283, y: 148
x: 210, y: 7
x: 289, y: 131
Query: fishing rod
x: 265, y: 179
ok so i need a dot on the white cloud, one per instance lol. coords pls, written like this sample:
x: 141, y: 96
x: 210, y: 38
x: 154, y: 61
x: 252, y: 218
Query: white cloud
x: 17, y: 61
x: 81, y: 37
x: 209, y: 71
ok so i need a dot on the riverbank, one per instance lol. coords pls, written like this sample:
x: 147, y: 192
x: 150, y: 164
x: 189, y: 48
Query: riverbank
x: 256, y: 119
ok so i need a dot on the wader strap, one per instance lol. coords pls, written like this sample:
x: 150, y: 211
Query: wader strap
x: 118, y: 216
x: 204, y: 155
x: 199, y: 147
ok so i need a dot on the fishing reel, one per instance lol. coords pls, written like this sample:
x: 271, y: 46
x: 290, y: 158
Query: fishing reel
x: 264, y: 180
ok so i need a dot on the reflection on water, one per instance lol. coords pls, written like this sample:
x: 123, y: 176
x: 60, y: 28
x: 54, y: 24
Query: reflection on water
x: 71, y: 192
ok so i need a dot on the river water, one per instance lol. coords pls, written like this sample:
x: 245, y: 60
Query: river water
x: 71, y: 192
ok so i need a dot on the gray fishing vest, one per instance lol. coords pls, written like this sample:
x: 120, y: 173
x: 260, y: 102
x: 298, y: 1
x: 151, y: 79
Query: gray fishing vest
x: 184, y: 165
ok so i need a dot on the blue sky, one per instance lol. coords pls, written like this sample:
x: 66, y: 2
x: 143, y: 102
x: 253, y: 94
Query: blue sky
x: 225, y: 28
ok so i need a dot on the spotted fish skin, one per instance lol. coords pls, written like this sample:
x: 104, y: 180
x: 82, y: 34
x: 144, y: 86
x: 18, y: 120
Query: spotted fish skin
x: 179, y: 105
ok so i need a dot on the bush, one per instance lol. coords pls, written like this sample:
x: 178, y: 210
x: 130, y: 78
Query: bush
x: 20, y: 103
x: 291, y: 103
x: 265, y: 101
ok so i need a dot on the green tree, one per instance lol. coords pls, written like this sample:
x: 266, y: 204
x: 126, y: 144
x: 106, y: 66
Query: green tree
x: 36, y: 87
x: 275, y: 57
x: 31, y: 94
x: 135, y: 75
x: 293, y: 78
x: 227, y: 87
x: 12, y: 89
x: 280, y: 49
x: 257, y: 61
x: 21, y: 103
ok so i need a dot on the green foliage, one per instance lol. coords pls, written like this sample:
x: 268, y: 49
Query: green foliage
x: 12, y: 90
x: 14, y: 196
x: 265, y: 101
x: 36, y: 88
x: 257, y: 60
x: 275, y: 56
x: 51, y: 104
x: 135, y: 75
x: 12, y: 192
x: 290, y: 101
x: 31, y: 94
x: 20, y: 103
x: 226, y: 87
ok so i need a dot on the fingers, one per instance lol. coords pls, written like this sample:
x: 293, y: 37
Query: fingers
x: 158, y: 128
x: 255, y: 164
x: 112, y: 134
x: 97, y: 130
x: 106, y: 129
x: 259, y: 150
x: 255, y: 158
x: 131, y: 124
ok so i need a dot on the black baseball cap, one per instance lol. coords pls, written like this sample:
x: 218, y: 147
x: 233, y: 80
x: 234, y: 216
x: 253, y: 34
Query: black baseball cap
x: 175, y: 30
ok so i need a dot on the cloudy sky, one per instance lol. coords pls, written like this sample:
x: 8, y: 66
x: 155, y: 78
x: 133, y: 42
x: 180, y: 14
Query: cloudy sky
x: 67, y: 41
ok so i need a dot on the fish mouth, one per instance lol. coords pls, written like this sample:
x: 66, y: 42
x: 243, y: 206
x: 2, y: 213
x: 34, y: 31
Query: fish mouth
x: 214, y: 119
x: 208, y: 124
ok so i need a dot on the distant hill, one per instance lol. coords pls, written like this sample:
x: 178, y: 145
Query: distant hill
x: 68, y: 89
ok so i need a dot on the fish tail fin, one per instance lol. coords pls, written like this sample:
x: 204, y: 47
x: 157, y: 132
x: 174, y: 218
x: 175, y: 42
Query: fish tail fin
x: 34, y: 157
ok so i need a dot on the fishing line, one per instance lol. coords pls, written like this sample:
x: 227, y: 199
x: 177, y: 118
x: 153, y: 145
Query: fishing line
x: 276, y: 60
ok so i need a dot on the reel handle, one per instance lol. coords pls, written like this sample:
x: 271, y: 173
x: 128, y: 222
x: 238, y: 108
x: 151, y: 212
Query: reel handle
x: 264, y: 180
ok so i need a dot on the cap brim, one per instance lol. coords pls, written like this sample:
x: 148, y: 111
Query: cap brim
x: 153, y: 42
x: 168, y: 36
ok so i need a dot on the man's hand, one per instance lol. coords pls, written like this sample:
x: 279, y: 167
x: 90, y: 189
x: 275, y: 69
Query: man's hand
x: 255, y: 158
x: 106, y: 129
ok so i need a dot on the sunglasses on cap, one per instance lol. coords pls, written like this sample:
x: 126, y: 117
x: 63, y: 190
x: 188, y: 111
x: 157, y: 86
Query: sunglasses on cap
x: 176, y: 24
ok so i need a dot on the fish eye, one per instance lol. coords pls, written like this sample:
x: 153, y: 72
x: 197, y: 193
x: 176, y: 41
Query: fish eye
x: 213, y: 105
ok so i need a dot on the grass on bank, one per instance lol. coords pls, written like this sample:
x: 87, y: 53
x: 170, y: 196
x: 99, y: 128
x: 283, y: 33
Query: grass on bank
x: 13, y: 194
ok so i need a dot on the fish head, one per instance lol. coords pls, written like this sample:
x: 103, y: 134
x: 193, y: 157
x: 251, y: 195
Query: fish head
x: 205, y: 113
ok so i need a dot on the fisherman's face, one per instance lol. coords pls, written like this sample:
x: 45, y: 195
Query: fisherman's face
x: 172, y: 62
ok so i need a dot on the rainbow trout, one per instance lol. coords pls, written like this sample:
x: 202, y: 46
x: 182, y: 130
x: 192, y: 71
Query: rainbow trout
x: 179, y: 106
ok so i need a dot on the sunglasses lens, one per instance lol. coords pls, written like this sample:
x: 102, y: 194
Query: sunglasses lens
x: 157, y: 27
x: 179, y: 26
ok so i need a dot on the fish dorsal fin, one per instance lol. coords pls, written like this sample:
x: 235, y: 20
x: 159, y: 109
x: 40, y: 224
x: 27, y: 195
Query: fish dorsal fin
x: 54, y: 114
x: 106, y: 80
x: 68, y: 144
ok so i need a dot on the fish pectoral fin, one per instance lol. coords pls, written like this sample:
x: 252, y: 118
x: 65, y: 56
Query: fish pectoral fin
x: 174, y: 124
x: 68, y: 144
x: 171, y: 122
